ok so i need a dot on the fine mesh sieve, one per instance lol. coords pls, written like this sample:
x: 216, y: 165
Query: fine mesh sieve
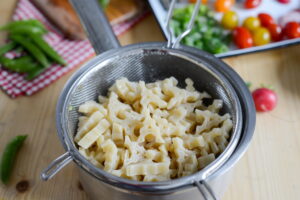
x: 148, y: 62
x: 148, y: 65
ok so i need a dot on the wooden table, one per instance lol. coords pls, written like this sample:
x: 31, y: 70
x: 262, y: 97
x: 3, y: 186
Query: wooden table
x: 270, y: 170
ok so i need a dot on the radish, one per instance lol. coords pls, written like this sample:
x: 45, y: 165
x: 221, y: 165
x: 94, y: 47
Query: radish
x: 264, y: 99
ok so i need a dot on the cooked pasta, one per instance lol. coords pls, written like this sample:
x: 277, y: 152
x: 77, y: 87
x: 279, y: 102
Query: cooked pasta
x: 152, y: 132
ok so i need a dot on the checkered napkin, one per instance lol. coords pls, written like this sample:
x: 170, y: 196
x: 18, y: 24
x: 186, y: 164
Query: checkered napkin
x: 74, y: 52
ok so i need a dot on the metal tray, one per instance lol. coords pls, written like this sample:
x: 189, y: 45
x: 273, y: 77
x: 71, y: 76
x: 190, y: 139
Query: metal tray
x: 160, y: 7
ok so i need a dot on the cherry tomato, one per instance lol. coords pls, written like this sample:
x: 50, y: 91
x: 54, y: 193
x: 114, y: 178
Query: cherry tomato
x: 284, y: 1
x: 261, y: 36
x: 252, y: 3
x: 265, y: 19
x: 223, y: 5
x: 251, y: 23
x: 195, y: 1
x: 242, y: 38
x: 264, y: 99
x: 275, y: 31
x: 292, y: 30
x: 230, y: 20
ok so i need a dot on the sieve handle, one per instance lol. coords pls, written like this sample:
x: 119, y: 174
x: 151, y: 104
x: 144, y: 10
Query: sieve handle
x: 174, y: 42
x: 203, y: 187
x: 95, y: 24
x: 55, y: 166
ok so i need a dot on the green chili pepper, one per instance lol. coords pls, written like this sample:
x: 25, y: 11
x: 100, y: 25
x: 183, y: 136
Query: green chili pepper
x: 33, y: 49
x: 21, y: 65
x: 35, y: 73
x: 6, y: 48
x: 26, y: 29
x: 30, y: 22
x: 48, y: 50
x: 9, y: 156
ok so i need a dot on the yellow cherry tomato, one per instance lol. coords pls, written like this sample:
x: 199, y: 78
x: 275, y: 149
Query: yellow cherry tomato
x: 251, y: 23
x: 230, y: 20
x: 261, y: 36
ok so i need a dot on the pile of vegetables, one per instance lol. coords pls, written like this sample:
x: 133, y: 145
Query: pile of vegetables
x: 36, y: 55
x: 259, y: 30
x: 212, y: 36
x: 207, y: 33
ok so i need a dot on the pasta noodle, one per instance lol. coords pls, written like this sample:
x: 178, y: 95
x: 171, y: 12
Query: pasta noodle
x: 152, y: 132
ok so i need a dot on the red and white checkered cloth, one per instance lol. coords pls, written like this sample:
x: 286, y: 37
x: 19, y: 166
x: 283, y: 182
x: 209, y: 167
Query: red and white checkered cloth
x: 74, y: 52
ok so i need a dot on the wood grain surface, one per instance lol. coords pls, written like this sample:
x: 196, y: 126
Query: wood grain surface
x: 118, y: 11
x: 268, y: 171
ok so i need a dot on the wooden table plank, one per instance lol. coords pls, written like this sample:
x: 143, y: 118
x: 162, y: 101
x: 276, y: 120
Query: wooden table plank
x: 269, y: 170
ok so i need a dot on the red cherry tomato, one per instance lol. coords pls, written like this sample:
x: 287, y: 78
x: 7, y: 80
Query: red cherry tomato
x: 223, y: 5
x: 264, y: 99
x: 275, y: 31
x: 292, y: 30
x: 252, y: 3
x: 265, y: 19
x: 284, y: 1
x: 242, y: 38
x: 195, y: 1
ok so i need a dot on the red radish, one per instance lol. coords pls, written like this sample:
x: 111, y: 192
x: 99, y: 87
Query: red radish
x: 284, y: 1
x: 264, y: 99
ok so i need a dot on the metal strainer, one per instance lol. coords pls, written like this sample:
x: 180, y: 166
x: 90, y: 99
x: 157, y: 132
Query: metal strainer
x: 148, y: 62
